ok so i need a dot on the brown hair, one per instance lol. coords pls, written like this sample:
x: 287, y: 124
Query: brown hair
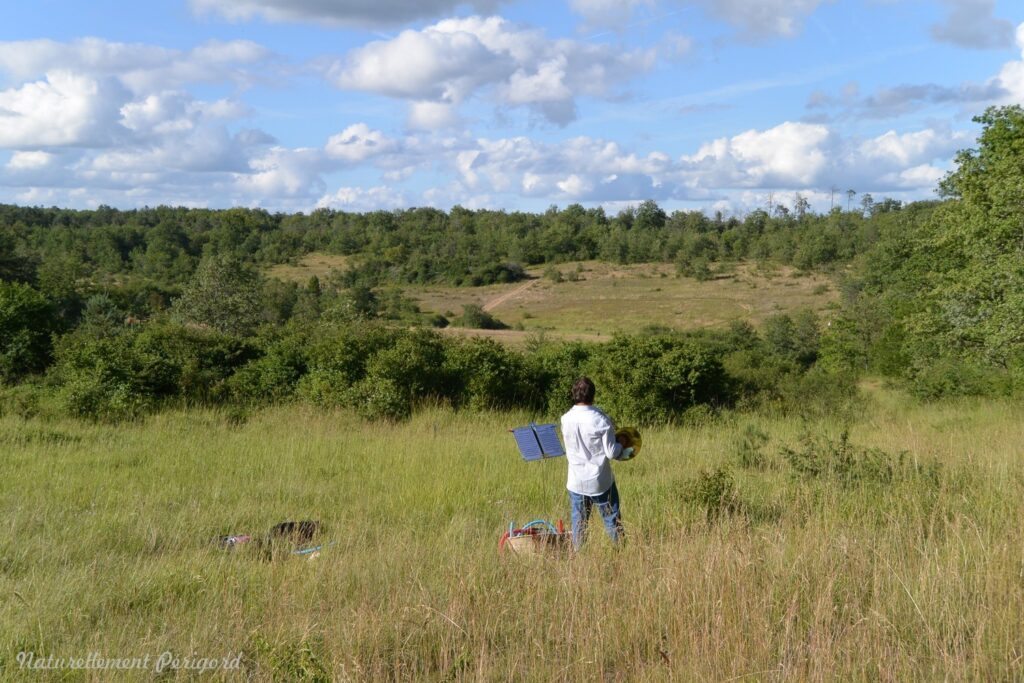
x: 583, y: 390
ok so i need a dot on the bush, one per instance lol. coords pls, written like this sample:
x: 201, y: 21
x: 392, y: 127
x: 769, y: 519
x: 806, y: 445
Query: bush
x: 819, y: 457
x: 553, y: 274
x: 651, y: 380
x: 475, y: 317
x: 109, y: 378
x: 381, y: 399
x: 950, y: 377
x: 714, y: 492
x: 488, y: 375
x: 201, y: 361
x: 27, y: 319
x: 337, y: 361
x: 274, y: 376
x: 554, y: 367
x: 414, y: 366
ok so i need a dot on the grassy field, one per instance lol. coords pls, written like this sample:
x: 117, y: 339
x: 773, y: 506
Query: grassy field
x: 605, y: 299
x: 309, y: 265
x: 832, y: 562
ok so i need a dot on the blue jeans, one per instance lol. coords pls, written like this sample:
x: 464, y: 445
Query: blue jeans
x: 607, y: 504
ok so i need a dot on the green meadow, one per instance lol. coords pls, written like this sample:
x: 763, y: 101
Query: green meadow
x: 759, y: 548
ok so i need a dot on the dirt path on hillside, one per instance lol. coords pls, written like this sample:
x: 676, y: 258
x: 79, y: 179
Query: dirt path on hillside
x: 512, y: 293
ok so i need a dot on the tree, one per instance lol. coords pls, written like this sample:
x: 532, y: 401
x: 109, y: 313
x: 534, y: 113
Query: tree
x: 801, y: 206
x: 973, y: 250
x: 867, y: 203
x: 224, y: 294
x: 849, y: 198
x: 26, y: 323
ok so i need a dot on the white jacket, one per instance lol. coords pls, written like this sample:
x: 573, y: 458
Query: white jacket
x: 590, y: 446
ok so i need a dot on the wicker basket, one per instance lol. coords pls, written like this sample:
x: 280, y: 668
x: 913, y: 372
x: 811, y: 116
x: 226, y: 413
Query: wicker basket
x: 536, y: 544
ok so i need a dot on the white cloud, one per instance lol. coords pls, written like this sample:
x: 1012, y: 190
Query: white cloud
x: 444, y: 64
x: 574, y: 186
x: 65, y: 109
x: 141, y: 68
x: 363, y: 199
x: 758, y: 19
x: 970, y: 24
x: 338, y: 12
x: 1011, y: 76
x: 432, y: 115
x: 283, y: 172
x: 30, y: 161
x: 915, y: 178
x: 358, y: 143
x: 910, y: 149
x: 788, y: 155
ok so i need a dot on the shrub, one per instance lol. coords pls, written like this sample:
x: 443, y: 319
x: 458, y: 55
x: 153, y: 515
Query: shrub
x: 109, y: 378
x: 553, y: 274
x: 381, y: 399
x: 488, y: 375
x: 749, y: 448
x: 818, y: 393
x: 651, y: 380
x: 201, y: 361
x: 274, y: 376
x: 337, y: 361
x: 554, y: 367
x: 477, y: 318
x: 714, y: 492
x: 223, y: 294
x: 819, y: 457
x: 948, y: 377
x: 414, y: 365
x: 27, y: 320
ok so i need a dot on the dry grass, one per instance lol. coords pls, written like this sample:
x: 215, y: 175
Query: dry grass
x: 609, y: 299
x: 309, y: 265
x: 106, y: 548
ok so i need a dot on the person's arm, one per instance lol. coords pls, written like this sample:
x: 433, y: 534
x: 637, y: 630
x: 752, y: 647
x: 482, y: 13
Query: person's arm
x: 612, y: 447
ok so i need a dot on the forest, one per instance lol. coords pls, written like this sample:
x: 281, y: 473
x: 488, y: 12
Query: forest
x: 110, y: 314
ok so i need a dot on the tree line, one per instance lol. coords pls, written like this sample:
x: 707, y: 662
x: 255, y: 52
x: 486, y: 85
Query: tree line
x: 146, y: 306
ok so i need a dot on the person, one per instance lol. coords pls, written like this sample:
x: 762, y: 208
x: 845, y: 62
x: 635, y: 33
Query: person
x: 590, y: 446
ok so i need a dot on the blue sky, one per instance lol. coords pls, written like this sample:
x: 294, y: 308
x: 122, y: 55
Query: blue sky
x: 365, y: 104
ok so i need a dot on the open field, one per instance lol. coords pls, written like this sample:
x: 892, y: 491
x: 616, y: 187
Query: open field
x: 309, y: 265
x: 609, y: 298
x: 893, y: 568
x: 606, y: 299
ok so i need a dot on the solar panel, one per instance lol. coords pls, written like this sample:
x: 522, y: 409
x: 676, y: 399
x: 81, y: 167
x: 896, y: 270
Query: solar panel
x: 537, y: 442
x: 550, y: 445
x: 529, y: 447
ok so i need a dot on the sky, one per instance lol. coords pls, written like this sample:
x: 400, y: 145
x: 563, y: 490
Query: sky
x: 358, y: 105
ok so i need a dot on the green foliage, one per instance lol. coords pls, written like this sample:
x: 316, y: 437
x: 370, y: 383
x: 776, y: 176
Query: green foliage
x: 413, y: 366
x: 202, y: 361
x: 489, y: 376
x: 338, y: 360
x: 793, y: 338
x: 109, y: 378
x: 648, y: 380
x: 940, y: 295
x: 224, y: 295
x: 750, y: 445
x: 125, y: 373
x: 27, y: 319
x: 820, y: 457
x: 714, y: 492
x: 274, y: 376
x: 475, y: 317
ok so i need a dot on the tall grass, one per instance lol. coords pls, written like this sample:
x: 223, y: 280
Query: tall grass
x: 107, y: 546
